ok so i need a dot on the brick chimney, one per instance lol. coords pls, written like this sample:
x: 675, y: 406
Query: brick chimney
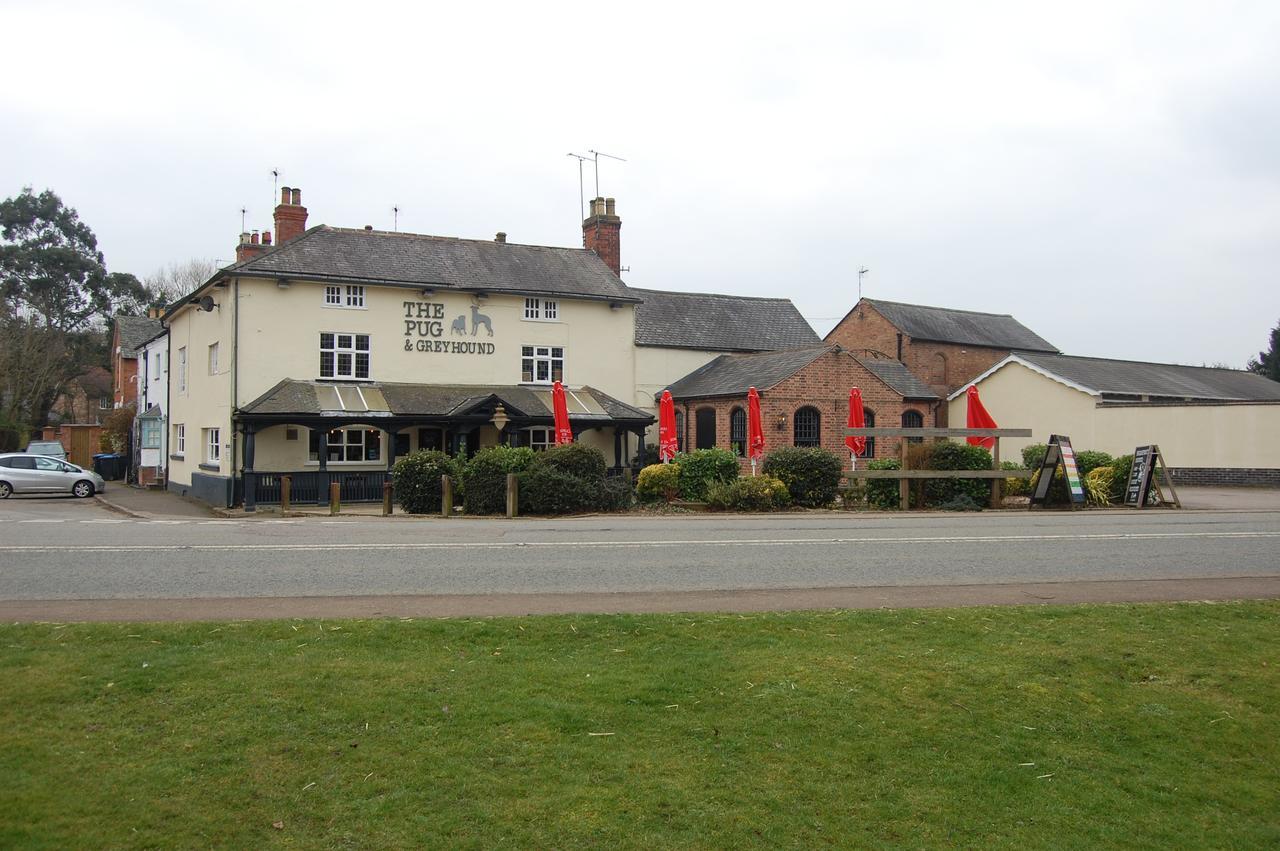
x: 600, y: 233
x: 291, y: 216
x: 251, y: 245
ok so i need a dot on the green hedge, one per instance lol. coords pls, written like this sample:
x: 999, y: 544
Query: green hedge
x: 576, y: 460
x: 484, y: 477
x: 947, y: 455
x: 658, y: 482
x: 546, y: 489
x: 812, y: 475
x: 749, y: 493
x: 616, y: 494
x: 701, y: 468
x: 416, y: 480
x: 883, y: 493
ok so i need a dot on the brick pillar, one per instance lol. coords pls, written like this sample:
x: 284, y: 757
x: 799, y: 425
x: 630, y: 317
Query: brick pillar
x: 291, y: 216
x: 601, y: 233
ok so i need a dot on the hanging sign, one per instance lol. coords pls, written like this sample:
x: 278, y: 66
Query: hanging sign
x: 1139, y: 484
x: 1059, y: 453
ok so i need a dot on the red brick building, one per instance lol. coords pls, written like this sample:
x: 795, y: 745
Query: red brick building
x: 804, y: 399
x: 129, y: 334
x: 944, y: 348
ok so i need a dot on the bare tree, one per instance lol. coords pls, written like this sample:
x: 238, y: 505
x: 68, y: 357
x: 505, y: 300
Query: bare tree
x: 172, y: 282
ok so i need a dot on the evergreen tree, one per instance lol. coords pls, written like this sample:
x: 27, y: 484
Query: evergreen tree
x: 1268, y: 363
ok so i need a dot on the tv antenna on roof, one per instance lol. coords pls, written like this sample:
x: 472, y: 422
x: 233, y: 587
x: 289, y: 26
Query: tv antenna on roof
x: 582, y: 201
x: 243, y: 213
x: 395, y: 212
x: 275, y: 186
x: 596, y: 155
x: 862, y: 270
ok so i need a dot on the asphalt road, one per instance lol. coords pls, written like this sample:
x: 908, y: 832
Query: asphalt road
x: 64, y: 550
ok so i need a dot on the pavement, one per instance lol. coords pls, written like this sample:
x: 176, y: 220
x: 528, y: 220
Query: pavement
x: 147, y: 503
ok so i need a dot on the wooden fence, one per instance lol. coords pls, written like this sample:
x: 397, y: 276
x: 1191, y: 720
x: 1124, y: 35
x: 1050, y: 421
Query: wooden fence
x: 905, y: 476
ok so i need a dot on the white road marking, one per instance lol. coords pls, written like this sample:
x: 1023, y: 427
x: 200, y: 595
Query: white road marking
x: 104, y: 521
x: 565, y: 545
x: 45, y: 521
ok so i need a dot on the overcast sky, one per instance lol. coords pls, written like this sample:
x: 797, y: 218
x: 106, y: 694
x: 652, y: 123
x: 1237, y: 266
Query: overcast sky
x: 1109, y: 173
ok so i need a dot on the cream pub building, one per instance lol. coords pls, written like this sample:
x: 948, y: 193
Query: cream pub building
x: 335, y: 351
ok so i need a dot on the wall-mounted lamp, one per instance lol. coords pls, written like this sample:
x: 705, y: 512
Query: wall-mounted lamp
x: 283, y: 283
x: 781, y: 422
x: 426, y: 292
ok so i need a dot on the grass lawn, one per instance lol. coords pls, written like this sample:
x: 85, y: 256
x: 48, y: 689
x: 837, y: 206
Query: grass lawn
x: 1081, y: 727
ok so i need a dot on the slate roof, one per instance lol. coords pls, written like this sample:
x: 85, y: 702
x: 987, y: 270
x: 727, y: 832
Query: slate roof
x: 898, y: 377
x: 734, y: 374
x: 966, y: 327
x: 392, y: 399
x: 136, y: 331
x: 713, y: 322
x: 344, y: 254
x: 1157, y: 381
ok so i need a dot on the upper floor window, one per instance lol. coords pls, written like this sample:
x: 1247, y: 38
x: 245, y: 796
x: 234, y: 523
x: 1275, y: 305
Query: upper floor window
x: 344, y: 355
x: 213, y: 358
x: 541, y: 308
x: 344, y: 296
x: 182, y: 370
x: 808, y: 427
x: 156, y: 376
x: 738, y: 432
x: 541, y: 364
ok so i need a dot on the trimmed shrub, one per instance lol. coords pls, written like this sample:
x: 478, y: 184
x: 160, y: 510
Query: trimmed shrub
x: 416, y: 479
x: 484, y: 477
x: 960, y: 502
x: 883, y: 493
x: 1120, y: 469
x: 812, y: 474
x: 1033, y: 455
x: 616, y: 494
x: 1097, y: 485
x: 1090, y: 460
x: 957, y: 456
x: 701, y: 467
x: 1015, y: 487
x: 577, y: 460
x: 545, y: 489
x: 658, y: 481
x: 749, y: 493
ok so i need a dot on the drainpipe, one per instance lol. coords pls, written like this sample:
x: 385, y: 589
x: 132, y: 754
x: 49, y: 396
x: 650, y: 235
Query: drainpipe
x: 235, y: 376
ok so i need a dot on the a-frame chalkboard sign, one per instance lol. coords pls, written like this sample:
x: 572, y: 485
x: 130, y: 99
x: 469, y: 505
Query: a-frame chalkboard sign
x: 1059, y: 454
x: 1143, y: 480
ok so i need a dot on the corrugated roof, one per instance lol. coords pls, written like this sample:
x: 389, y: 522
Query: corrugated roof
x: 328, y: 253
x: 136, y: 331
x: 966, y: 327
x: 1164, y: 380
x: 714, y: 322
x: 383, y: 399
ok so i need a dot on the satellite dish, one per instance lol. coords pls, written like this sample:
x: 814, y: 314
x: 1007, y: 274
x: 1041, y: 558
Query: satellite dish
x: 207, y: 304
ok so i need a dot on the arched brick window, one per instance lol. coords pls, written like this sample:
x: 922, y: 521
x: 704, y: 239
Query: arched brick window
x: 913, y: 419
x: 808, y: 427
x: 869, y: 417
x: 679, y: 431
x: 704, y: 423
x: 738, y: 431
x: 938, y: 372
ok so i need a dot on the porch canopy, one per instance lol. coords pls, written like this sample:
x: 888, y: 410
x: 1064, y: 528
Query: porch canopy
x: 458, y: 410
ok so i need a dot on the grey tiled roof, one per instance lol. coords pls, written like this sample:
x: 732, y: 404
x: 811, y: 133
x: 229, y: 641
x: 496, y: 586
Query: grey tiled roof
x: 314, y: 398
x: 329, y: 253
x: 135, y: 331
x: 898, y: 377
x: 733, y: 375
x: 1164, y: 380
x: 713, y: 322
x: 967, y: 327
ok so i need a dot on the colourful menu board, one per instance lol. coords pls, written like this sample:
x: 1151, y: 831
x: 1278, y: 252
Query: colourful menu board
x: 1069, y: 467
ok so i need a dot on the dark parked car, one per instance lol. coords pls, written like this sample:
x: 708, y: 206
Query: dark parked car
x: 21, y: 472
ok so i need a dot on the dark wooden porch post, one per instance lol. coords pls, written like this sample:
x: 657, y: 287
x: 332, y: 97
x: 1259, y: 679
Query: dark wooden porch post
x: 322, y: 478
x: 250, y: 477
x: 618, y: 436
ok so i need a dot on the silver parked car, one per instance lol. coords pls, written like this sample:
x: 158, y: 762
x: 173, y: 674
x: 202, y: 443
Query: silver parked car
x: 21, y: 472
x: 52, y: 448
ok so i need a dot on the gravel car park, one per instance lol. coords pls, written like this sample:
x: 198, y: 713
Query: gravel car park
x: 21, y: 472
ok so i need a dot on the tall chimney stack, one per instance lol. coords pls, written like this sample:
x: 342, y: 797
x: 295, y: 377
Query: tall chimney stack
x: 291, y: 216
x: 601, y: 233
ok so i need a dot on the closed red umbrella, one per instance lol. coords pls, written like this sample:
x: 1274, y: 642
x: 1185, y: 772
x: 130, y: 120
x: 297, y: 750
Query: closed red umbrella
x: 755, y: 429
x: 560, y: 408
x: 857, y: 419
x: 979, y: 418
x: 668, y: 440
